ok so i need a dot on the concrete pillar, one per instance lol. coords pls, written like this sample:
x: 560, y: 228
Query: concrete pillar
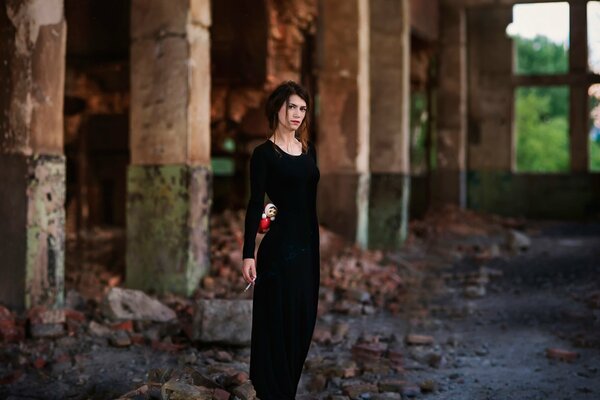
x: 389, y: 79
x: 449, y: 178
x: 169, y: 182
x: 363, y: 119
x: 343, y: 116
x: 32, y: 164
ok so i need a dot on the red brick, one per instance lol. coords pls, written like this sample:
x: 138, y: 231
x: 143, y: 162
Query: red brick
x: 123, y: 326
x: 220, y: 394
x: 419, y: 339
x: 39, y: 363
x: 74, y: 315
x: 369, y: 350
x: 137, y: 338
x: 562, y: 355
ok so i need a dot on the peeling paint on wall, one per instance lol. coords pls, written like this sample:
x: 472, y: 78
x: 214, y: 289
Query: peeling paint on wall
x: 44, y: 263
x: 28, y: 16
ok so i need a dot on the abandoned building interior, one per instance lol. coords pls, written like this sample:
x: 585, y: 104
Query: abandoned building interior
x: 126, y: 126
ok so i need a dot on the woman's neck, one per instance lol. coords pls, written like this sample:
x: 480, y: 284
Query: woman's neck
x: 284, y: 137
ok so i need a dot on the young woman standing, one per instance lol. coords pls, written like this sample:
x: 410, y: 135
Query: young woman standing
x: 285, y: 272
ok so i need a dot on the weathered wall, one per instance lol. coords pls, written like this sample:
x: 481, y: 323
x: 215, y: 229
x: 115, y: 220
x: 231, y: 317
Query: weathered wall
x: 32, y: 168
x: 549, y: 196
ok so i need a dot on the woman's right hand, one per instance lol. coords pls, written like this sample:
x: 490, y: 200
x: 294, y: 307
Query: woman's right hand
x: 249, y: 270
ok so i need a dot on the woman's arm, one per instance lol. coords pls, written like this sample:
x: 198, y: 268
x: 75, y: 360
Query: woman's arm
x: 258, y: 178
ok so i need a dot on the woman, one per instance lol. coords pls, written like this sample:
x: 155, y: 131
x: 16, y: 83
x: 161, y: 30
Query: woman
x: 285, y: 274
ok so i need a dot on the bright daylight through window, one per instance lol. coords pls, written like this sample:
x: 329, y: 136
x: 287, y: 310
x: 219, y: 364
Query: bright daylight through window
x: 540, y: 33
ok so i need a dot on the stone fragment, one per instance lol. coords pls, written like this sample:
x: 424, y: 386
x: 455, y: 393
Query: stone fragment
x: 391, y: 385
x: 561, y: 354
x: 120, y: 339
x: 245, y: 391
x: 358, y: 390
x: 317, y: 383
x: 98, y: 329
x: 475, y: 291
x: 428, y: 386
x: 340, y: 329
x: 410, y: 390
x: 223, y: 321
x: 517, y: 241
x: 129, y: 304
x: 386, y: 396
x: 344, y: 369
x: 321, y: 335
x: 176, y: 390
x: 419, y: 340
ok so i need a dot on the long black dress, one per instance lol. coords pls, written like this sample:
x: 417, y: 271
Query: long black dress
x: 286, y: 290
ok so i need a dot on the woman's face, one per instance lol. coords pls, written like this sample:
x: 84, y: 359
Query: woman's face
x: 296, y: 111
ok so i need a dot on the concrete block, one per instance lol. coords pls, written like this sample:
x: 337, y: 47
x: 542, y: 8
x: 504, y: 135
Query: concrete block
x: 223, y: 321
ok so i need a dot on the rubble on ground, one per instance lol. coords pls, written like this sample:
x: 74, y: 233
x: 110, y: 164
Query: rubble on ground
x: 206, y: 336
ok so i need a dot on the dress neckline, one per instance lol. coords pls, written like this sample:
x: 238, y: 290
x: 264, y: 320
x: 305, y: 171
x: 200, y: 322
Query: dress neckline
x: 291, y: 155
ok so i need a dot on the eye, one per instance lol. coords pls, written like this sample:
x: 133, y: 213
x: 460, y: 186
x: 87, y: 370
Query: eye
x: 303, y: 109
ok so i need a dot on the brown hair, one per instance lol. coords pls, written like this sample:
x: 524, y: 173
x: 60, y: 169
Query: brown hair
x: 276, y: 99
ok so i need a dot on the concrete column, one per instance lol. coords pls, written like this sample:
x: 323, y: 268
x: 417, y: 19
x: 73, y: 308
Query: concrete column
x: 32, y: 164
x: 343, y: 116
x: 169, y: 182
x: 363, y: 119
x: 449, y: 179
x: 389, y: 79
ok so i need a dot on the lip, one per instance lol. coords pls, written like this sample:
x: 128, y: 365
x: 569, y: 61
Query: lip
x: 295, y: 121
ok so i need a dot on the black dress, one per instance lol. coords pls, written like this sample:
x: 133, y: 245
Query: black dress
x: 286, y: 290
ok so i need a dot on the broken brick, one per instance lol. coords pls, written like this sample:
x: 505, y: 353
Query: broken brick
x: 562, y: 355
x: 419, y: 340
x: 369, y: 350
x: 123, y: 326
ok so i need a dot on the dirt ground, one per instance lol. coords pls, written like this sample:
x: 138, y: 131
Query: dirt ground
x: 481, y: 318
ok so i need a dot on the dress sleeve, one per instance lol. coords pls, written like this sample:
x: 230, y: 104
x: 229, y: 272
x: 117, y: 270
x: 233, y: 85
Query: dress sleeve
x: 258, y: 178
x: 312, y: 151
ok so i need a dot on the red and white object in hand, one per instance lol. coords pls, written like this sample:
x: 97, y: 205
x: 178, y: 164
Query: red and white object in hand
x: 267, y: 216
